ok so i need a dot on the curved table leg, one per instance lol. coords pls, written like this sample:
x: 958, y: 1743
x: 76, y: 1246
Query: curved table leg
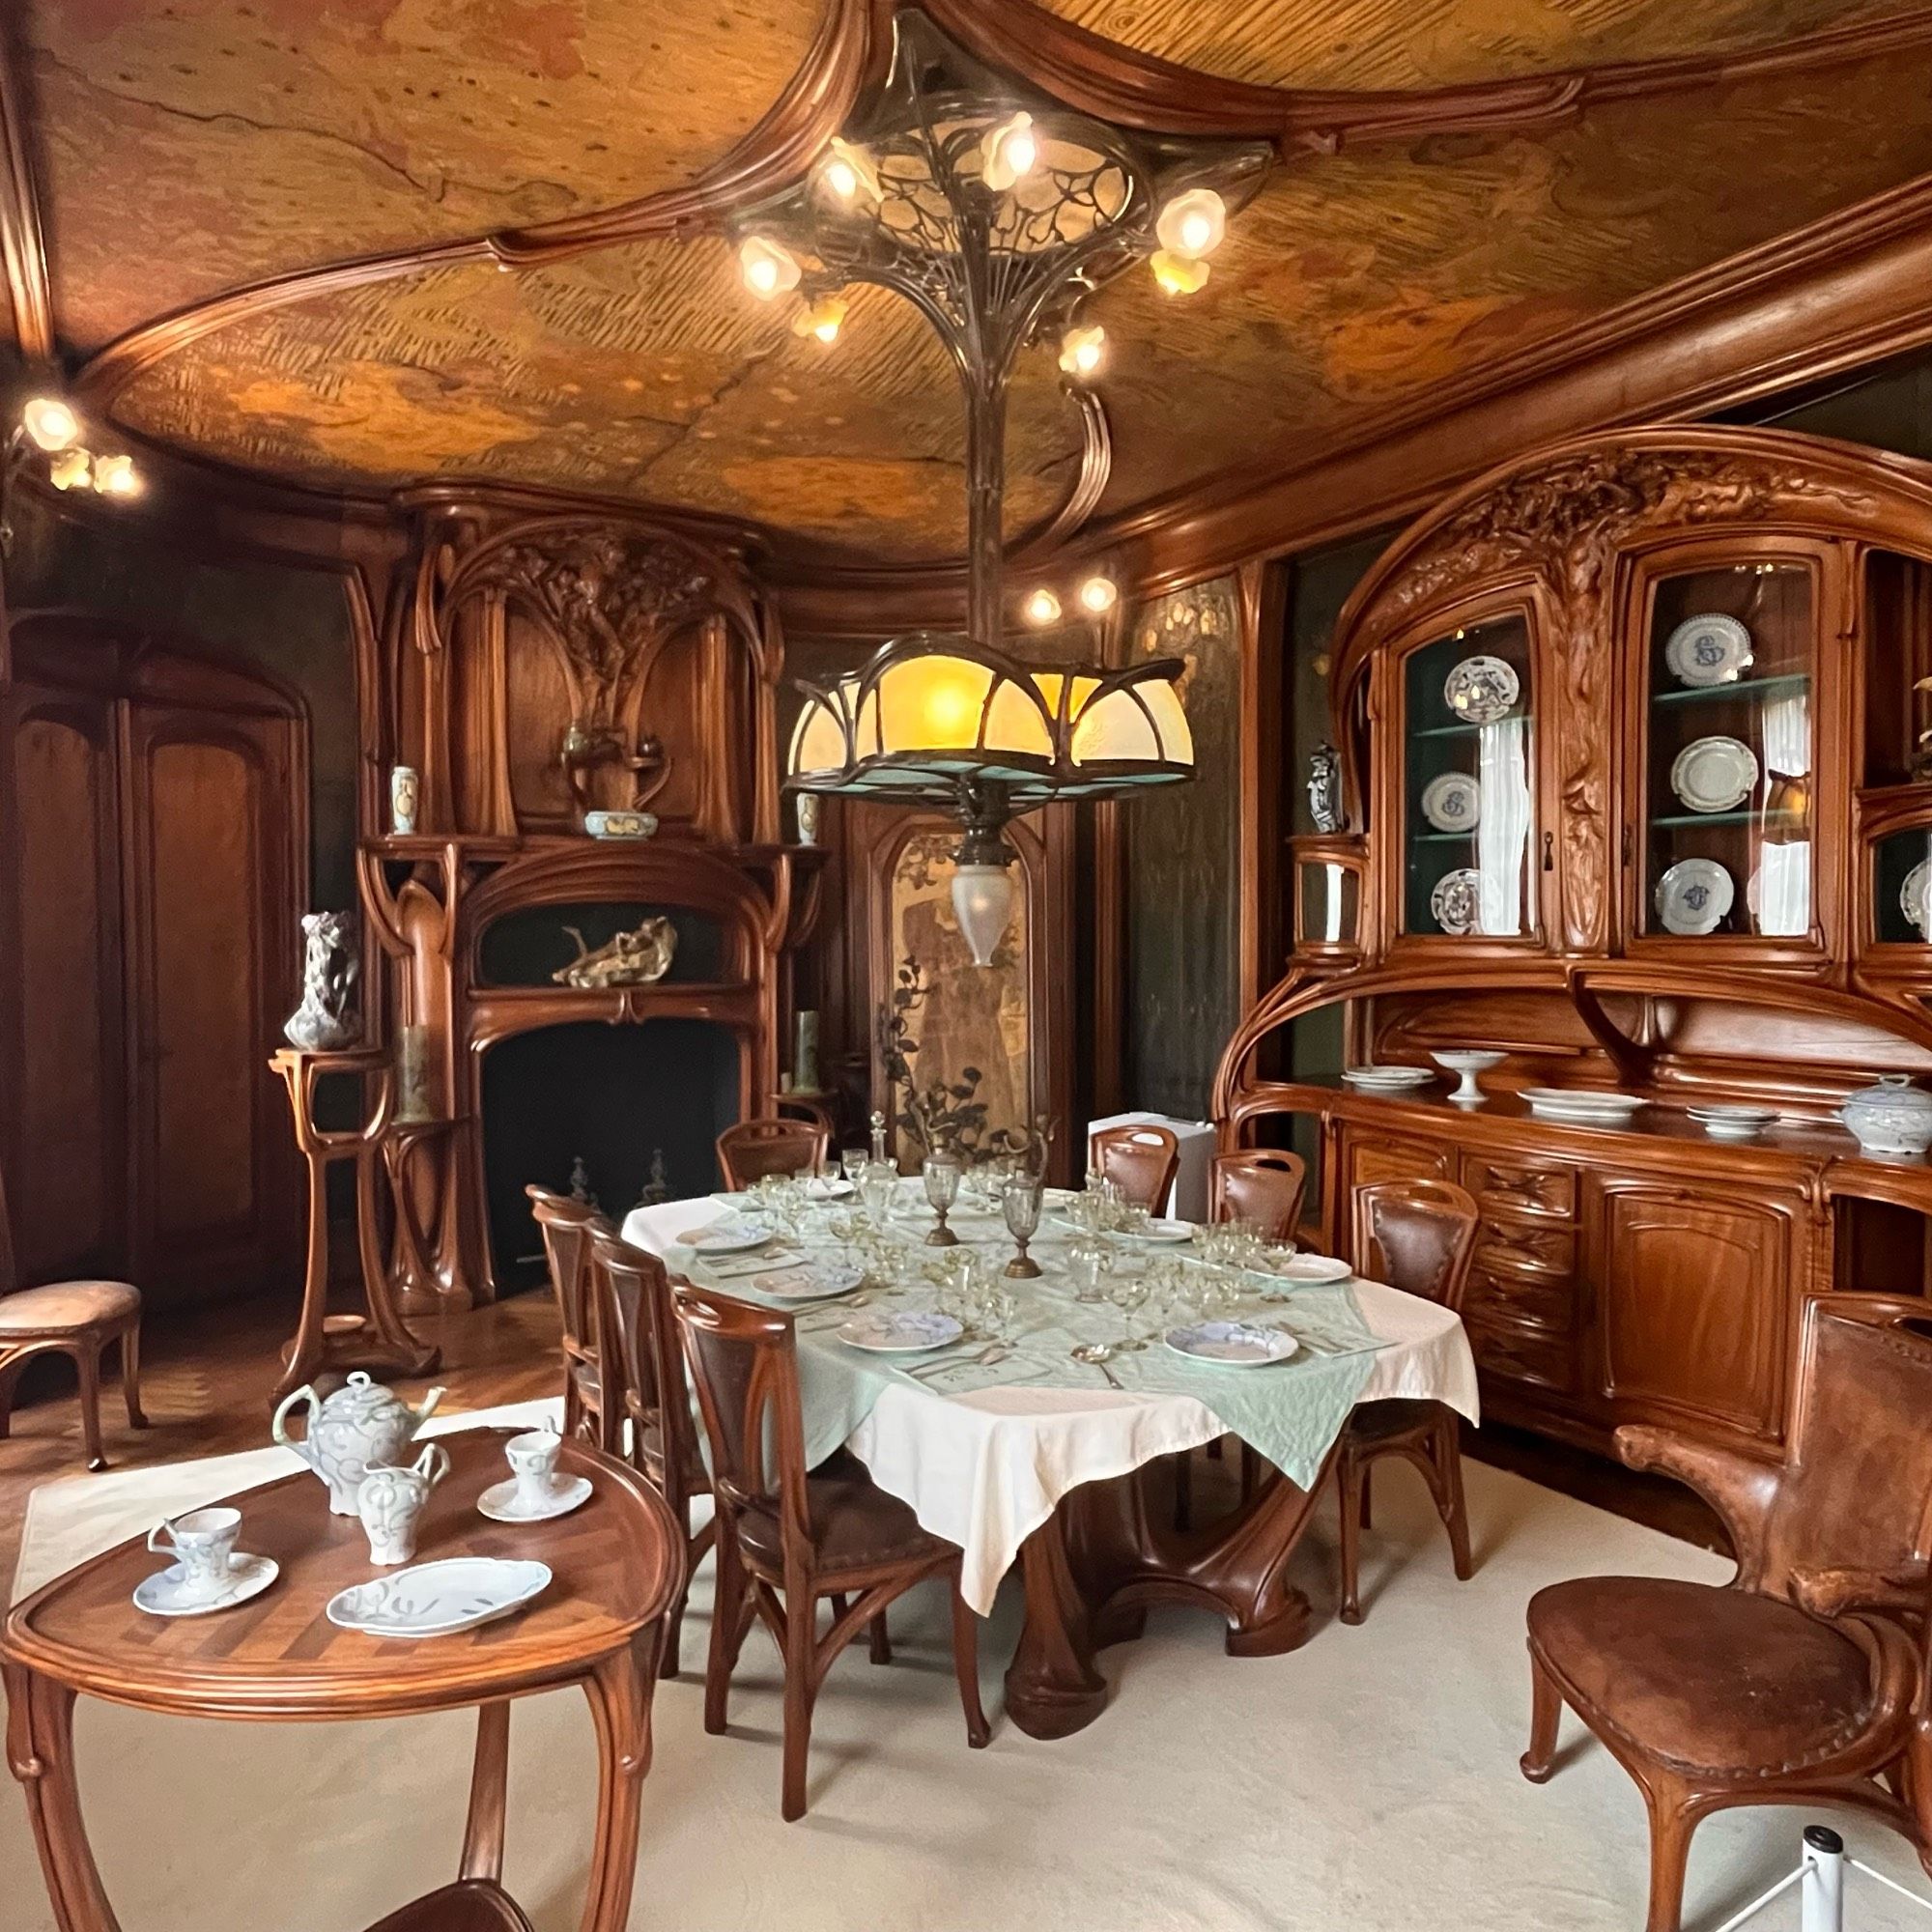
x: 40, y: 1751
x: 488, y: 1787
x: 1110, y: 1551
x: 619, y: 1691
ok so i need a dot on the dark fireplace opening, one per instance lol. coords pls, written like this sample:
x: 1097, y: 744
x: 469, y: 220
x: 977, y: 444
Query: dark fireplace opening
x: 626, y: 1102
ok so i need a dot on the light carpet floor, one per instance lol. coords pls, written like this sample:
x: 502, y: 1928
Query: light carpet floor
x: 1367, y: 1783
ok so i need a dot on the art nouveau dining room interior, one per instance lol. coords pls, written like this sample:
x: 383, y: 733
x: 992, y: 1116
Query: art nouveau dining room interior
x: 966, y: 965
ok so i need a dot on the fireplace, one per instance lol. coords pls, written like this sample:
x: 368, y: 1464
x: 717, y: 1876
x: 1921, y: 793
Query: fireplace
x: 606, y: 1106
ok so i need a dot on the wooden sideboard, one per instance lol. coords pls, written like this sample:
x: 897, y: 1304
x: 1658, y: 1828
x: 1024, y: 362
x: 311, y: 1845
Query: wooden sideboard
x: 1648, y: 1273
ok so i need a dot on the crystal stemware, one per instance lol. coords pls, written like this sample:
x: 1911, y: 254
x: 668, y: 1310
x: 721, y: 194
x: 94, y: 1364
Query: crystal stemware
x: 877, y: 1180
x: 853, y: 1160
x: 1089, y: 1262
x: 942, y: 1190
x: 1020, y: 1204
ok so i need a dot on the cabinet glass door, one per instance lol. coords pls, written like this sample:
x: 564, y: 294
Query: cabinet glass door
x: 1902, y: 887
x: 1468, y: 808
x: 1728, y: 844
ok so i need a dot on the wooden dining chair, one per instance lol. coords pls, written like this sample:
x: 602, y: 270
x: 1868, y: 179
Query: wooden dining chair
x: 568, y: 1227
x: 1417, y: 1235
x: 649, y: 1370
x: 1804, y: 1678
x: 753, y: 1148
x: 81, y: 1319
x: 1261, y: 1186
x: 1140, y: 1161
x: 787, y: 1537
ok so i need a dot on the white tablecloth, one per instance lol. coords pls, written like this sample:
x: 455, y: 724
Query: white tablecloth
x: 985, y: 1470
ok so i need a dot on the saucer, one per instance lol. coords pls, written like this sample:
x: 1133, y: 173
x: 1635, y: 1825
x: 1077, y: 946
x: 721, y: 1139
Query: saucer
x: 498, y: 1500
x: 163, y: 1593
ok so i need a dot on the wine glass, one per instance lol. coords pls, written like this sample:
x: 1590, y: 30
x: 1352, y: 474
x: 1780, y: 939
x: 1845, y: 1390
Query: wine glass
x: 1089, y: 1262
x: 853, y: 1160
x: 942, y: 1190
x: 1020, y: 1204
x: 876, y: 1183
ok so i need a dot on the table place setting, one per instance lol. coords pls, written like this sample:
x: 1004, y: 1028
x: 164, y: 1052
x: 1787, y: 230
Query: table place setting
x: 209, y: 1572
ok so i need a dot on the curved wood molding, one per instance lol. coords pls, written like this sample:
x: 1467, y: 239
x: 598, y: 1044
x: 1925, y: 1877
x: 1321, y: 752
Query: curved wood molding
x: 1211, y: 526
x: 23, y: 253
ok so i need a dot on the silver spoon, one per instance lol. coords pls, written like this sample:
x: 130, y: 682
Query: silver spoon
x: 1094, y: 1354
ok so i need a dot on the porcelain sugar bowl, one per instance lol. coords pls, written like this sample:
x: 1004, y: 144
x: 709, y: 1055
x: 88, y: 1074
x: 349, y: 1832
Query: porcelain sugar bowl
x: 1892, y: 1120
x: 361, y: 1427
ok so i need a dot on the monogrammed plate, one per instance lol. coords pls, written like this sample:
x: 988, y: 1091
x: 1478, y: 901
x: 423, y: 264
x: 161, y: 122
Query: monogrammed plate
x: 1708, y: 649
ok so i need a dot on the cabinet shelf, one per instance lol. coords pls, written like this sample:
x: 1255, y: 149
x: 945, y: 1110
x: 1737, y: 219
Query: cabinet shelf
x: 1692, y: 693
x: 1466, y: 730
x: 1777, y: 821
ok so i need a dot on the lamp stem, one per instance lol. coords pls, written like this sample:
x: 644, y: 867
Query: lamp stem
x: 986, y: 490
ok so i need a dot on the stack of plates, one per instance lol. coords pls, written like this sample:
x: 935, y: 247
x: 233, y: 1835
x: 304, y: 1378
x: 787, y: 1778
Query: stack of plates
x: 1582, y: 1106
x: 1733, y: 1124
x: 1387, y: 1079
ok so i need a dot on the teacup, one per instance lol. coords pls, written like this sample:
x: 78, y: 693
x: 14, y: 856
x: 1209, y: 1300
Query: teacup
x: 390, y: 1503
x: 533, y: 1463
x: 203, y: 1542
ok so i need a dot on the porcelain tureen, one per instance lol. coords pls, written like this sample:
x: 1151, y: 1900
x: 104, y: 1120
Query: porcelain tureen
x: 1892, y: 1120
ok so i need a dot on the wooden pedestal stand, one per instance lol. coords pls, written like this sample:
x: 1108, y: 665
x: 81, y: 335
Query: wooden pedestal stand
x: 376, y: 1340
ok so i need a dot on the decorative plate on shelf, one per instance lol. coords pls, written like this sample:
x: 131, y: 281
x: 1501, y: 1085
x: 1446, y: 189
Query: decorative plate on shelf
x: 1455, y: 904
x: 1481, y: 689
x: 1915, y: 897
x: 1582, y: 1106
x: 1715, y: 773
x: 1694, y: 895
x: 1386, y: 1079
x: 1452, y: 801
x: 1706, y: 649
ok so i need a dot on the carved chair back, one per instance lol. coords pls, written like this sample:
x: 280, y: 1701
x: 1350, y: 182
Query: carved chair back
x: 1417, y: 1235
x: 1263, y: 1187
x: 1140, y: 1161
x: 753, y: 1148
x: 635, y: 1291
x: 1854, y: 1493
x: 743, y: 1363
x: 568, y: 1225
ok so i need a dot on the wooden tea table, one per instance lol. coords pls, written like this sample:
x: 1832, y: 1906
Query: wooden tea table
x: 618, y: 1564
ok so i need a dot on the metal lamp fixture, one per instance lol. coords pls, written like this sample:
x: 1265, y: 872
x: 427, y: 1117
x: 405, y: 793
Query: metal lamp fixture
x: 996, y: 211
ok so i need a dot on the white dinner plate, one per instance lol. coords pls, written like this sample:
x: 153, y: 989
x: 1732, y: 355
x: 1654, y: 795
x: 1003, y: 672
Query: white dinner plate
x: 910, y: 1331
x: 828, y: 1188
x: 1232, y: 1344
x: 1578, y: 1105
x: 1694, y: 897
x: 1164, y: 1231
x: 1386, y: 1079
x: 1715, y: 773
x: 1311, y: 1267
x: 1733, y: 1124
x: 728, y: 1237
x: 1710, y: 648
x: 809, y: 1281
x: 438, y: 1599
x: 165, y: 1593
x: 1452, y: 801
x: 500, y: 1501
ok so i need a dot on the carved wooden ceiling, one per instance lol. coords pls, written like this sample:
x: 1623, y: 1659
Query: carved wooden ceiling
x: 543, y: 185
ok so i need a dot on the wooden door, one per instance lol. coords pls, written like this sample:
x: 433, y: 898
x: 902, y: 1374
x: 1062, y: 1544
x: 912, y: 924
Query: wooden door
x: 213, y: 969
x: 61, y: 1049
x: 1696, y: 1303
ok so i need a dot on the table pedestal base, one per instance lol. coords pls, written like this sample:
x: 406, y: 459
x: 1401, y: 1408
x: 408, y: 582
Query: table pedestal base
x: 1110, y: 1551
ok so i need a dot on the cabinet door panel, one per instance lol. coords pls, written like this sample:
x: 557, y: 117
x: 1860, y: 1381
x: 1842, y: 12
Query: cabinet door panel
x: 1697, y: 1304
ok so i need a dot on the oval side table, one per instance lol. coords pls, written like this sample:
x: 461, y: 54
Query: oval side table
x: 617, y: 1564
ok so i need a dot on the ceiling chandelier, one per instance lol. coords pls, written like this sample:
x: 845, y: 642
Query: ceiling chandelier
x: 996, y: 213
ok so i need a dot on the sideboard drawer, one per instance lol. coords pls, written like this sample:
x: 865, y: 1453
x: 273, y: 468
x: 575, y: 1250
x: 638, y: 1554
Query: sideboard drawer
x: 1528, y: 1297
x: 1507, y: 1247
x: 1538, y: 1355
x: 1521, y: 1187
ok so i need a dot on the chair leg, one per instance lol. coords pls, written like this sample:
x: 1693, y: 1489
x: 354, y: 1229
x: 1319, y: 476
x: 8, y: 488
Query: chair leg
x: 1348, y: 1477
x: 1183, y: 1489
x: 966, y: 1668
x: 1674, y: 1815
x: 573, y: 1405
x: 1546, y: 1707
x: 727, y: 1628
x: 9, y: 1374
x: 1367, y: 1513
x: 87, y: 1359
x: 880, y: 1639
x: 1445, y: 1455
x: 800, y: 1647
x: 1251, y: 1471
x: 130, y: 1377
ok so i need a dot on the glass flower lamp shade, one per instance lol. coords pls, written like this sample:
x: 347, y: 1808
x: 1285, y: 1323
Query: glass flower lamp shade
x: 982, y: 901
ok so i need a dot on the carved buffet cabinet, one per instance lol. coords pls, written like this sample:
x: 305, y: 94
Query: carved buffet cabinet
x: 1636, y: 795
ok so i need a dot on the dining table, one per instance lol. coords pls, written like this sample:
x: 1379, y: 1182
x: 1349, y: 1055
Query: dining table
x: 1039, y: 1437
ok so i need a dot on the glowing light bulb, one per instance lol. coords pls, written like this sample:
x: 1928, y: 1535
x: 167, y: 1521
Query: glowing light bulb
x: 1099, y: 595
x: 1082, y: 351
x: 768, y: 267
x: 822, y: 319
x: 1042, y: 607
x: 115, y: 477
x: 1008, y: 153
x: 70, y: 469
x: 1192, y: 224
x: 50, y: 422
x: 1176, y: 275
x: 848, y: 172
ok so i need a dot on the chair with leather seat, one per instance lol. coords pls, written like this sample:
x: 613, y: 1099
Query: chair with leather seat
x: 787, y: 1537
x: 568, y: 1226
x: 1139, y: 1160
x: 1417, y: 1235
x: 1800, y: 1680
x: 80, y: 1319
x: 751, y: 1150
x: 1260, y: 1185
x: 649, y: 1361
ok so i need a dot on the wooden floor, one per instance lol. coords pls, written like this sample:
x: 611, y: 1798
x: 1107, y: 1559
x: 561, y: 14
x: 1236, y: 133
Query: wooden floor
x: 206, y: 1380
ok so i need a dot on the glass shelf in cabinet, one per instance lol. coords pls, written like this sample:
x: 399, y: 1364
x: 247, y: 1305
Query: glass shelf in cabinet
x: 1783, y: 681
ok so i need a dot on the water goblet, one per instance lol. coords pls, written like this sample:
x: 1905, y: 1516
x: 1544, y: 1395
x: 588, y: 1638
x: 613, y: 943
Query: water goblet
x: 1089, y: 1262
x: 876, y: 1184
x: 853, y: 1160
x: 1020, y: 1204
x: 942, y: 1190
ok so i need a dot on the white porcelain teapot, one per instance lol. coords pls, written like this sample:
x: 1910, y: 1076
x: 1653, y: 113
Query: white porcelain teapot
x: 361, y: 1427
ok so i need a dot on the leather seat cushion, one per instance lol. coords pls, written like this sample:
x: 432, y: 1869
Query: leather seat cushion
x: 1712, y: 1679
x: 854, y: 1523
x: 67, y: 1304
